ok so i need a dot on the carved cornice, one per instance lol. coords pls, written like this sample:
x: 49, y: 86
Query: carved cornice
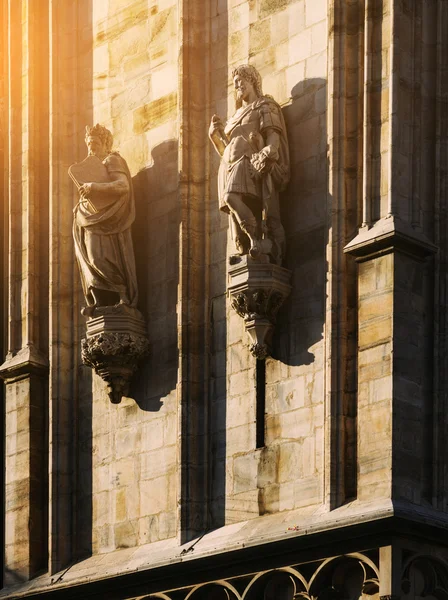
x: 388, y: 235
x: 22, y: 364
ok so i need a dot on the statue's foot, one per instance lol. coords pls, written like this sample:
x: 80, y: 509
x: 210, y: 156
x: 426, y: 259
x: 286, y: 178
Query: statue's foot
x: 242, y: 245
x: 234, y: 259
x: 255, y: 250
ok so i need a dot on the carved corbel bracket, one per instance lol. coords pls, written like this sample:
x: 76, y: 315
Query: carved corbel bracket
x: 257, y: 290
x: 116, y: 341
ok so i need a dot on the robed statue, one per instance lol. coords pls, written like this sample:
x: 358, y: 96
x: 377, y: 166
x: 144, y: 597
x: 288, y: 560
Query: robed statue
x: 102, y: 224
x: 116, y: 337
x: 254, y: 168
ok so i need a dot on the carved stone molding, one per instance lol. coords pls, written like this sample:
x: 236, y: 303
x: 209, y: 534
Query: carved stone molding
x: 425, y: 576
x: 115, y: 343
x: 21, y: 364
x: 337, y: 578
x: 388, y: 235
x: 257, y: 290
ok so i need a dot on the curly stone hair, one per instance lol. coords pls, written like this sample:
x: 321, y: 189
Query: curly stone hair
x: 249, y: 73
x: 102, y: 133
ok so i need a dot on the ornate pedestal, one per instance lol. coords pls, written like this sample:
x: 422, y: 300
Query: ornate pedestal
x: 257, y: 289
x: 115, y: 342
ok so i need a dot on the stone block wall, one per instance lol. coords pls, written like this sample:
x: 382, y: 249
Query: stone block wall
x: 349, y: 413
x: 375, y: 385
x: 286, y: 42
x: 135, y: 95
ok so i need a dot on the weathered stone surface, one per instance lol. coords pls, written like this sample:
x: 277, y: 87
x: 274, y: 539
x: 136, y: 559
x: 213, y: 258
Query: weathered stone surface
x: 115, y: 343
x: 256, y: 169
x: 346, y: 425
x: 257, y: 290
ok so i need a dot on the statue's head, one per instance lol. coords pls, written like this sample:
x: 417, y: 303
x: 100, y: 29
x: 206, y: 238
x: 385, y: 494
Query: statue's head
x: 251, y: 77
x: 99, y: 140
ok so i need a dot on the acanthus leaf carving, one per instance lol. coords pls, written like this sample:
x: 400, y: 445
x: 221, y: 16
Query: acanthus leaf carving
x: 114, y: 345
x: 257, y: 290
x: 115, y: 357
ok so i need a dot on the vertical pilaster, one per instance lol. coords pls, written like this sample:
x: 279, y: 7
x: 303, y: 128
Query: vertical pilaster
x: 194, y: 337
x: 440, y: 416
x: 70, y: 111
x: 395, y: 275
x: 375, y: 384
x: 345, y: 160
x: 390, y: 573
x: 4, y: 236
x: 26, y: 365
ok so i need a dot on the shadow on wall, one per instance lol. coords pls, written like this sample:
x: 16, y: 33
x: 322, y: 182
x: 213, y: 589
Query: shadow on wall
x: 304, y: 214
x: 156, y: 243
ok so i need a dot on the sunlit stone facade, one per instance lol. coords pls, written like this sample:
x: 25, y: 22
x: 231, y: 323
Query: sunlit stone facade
x: 321, y: 472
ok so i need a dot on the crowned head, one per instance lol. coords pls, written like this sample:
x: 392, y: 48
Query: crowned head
x: 99, y: 140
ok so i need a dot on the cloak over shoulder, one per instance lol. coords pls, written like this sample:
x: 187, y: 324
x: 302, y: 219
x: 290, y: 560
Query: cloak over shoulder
x: 103, y: 242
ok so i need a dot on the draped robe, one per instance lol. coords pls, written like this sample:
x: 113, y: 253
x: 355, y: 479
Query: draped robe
x: 103, y: 242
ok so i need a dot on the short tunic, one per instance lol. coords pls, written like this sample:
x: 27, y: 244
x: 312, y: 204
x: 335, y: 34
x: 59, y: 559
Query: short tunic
x: 246, y: 131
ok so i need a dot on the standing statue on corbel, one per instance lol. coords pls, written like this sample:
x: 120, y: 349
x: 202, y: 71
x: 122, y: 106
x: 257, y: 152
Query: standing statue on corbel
x: 116, y: 332
x: 254, y: 169
x: 253, y: 146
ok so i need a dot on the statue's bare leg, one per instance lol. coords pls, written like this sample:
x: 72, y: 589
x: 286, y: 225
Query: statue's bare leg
x: 240, y: 239
x: 245, y: 219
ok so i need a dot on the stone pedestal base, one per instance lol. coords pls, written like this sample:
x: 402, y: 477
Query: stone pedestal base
x: 115, y: 342
x: 257, y: 290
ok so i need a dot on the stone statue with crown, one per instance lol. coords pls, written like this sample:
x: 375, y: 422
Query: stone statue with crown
x: 116, y: 332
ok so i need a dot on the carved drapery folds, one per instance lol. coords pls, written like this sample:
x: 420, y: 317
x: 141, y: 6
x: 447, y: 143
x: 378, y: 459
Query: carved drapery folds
x: 116, y: 337
x: 253, y: 146
x: 254, y: 152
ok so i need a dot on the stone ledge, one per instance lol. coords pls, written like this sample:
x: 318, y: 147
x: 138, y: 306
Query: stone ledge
x: 20, y: 365
x: 292, y: 529
x: 387, y: 235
